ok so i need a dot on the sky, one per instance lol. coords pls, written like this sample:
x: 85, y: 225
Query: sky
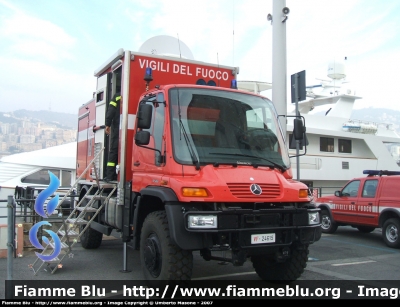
x: 50, y: 49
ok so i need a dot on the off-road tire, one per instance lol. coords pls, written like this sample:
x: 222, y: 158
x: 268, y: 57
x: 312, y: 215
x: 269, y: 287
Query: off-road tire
x: 327, y: 223
x: 267, y: 268
x: 391, y: 232
x: 162, y: 260
x: 365, y: 229
x: 90, y: 239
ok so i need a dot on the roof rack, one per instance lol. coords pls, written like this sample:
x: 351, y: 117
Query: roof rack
x: 380, y: 173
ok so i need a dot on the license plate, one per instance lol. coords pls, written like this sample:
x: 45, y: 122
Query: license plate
x: 263, y: 238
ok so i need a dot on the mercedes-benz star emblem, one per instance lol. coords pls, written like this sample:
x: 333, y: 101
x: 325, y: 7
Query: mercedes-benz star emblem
x: 255, y: 189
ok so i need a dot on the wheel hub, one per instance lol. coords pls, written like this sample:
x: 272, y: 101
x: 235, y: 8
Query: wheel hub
x: 392, y: 233
x: 152, y: 256
x: 326, y: 222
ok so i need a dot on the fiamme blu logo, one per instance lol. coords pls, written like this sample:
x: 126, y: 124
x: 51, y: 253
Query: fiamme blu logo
x: 45, y: 213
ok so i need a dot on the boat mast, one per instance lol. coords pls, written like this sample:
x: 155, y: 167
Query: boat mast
x: 279, y: 90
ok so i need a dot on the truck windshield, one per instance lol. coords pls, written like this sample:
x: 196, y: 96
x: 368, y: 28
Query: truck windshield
x: 211, y: 126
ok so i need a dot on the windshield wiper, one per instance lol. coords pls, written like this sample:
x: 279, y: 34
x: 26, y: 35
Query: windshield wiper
x: 276, y: 165
x: 189, y: 145
x: 195, y: 161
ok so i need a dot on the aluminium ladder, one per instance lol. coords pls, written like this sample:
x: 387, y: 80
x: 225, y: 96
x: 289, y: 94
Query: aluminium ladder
x: 79, y: 220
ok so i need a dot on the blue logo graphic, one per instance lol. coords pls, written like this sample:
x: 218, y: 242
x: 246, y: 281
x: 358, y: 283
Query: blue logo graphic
x: 39, y: 208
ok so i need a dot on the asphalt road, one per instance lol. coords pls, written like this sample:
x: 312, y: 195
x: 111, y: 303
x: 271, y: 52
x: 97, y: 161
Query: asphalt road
x: 347, y: 255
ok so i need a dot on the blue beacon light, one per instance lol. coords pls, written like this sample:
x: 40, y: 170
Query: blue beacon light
x: 234, y: 84
x: 148, y: 77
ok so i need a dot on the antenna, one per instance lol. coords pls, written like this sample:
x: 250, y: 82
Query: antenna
x: 179, y: 45
x: 218, y: 65
x: 233, y: 33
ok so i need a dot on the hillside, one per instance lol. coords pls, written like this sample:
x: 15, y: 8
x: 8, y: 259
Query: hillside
x: 62, y: 120
x: 70, y: 121
x: 378, y: 115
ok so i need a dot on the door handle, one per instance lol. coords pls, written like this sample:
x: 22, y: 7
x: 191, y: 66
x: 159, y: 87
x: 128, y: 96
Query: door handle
x: 137, y: 163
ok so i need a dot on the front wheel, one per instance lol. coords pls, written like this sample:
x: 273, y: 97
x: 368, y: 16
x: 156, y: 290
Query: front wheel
x: 160, y: 258
x: 390, y: 232
x: 327, y: 223
x: 267, y: 268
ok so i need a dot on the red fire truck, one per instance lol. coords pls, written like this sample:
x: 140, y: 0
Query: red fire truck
x: 202, y: 167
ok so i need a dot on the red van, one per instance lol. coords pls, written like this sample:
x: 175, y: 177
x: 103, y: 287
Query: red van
x: 366, y: 203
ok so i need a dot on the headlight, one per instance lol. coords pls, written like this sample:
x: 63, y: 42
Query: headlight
x: 313, y: 218
x: 202, y: 221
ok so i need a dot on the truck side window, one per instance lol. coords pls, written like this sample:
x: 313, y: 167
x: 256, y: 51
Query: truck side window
x: 351, y: 189
x: 66, y: 178
x: 370, y: 188
x: 158, y: 128
x: 40, y: 177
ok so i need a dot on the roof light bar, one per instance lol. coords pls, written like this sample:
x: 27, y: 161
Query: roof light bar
x: 380, y: 172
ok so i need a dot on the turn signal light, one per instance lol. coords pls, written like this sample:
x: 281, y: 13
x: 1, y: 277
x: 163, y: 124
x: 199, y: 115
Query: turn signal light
x: 303, y: 193
x: 194, y: 192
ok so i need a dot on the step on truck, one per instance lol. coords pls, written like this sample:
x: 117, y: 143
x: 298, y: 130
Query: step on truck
x: 203, y: 168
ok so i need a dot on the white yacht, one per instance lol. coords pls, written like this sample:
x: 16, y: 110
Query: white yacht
x: 340, y: 148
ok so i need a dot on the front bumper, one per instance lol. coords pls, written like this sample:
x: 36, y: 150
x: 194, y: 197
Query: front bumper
x: 236, y: 226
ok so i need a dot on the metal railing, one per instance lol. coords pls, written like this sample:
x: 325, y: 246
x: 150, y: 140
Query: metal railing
x: 323, y: 191
x: 10, y: 240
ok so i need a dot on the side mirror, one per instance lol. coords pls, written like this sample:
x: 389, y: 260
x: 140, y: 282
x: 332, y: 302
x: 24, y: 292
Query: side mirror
x: 144, y: 116
x: 338, y: 193
x: 142, y: 138
x: 298, y: 129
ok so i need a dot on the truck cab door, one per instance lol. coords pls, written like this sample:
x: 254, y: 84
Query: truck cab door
x: 83, y: 146
x: 345, y: 205
x: 367, y: 206
x: 100, y: 136
x: 147, y: 166
x: 107, y: 85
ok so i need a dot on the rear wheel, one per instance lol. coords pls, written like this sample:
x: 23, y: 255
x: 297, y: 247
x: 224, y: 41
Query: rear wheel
x: 327, y: 223
x: 90, y: 238
x: 365, y: 229
x: 390, y: 232
x: 160, y: 258
x: 267, y: 268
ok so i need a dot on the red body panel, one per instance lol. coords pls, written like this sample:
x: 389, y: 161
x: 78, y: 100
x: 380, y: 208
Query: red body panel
x: 166, y: 71
x: 224, y: 183
x: 85, y: 145
x: 363, y: 209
